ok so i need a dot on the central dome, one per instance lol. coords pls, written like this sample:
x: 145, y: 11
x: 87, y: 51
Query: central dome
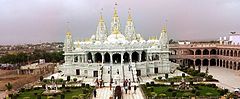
x: 116, y: 37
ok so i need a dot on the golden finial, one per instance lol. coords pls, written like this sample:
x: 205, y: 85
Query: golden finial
x: 101, y: 17
x: 164, y: 29
x: 129, y: 14
x: 115, y: 10
x: 68, y: 30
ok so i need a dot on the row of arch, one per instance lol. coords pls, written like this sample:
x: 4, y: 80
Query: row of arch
x: 225, y: 52
x: 210, y: 62
x: 116, y: 57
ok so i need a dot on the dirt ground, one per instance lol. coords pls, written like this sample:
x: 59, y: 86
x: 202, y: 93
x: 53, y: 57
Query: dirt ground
x: 16, y: 80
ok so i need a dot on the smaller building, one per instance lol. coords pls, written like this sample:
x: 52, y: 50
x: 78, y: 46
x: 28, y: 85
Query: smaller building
x: 37, y: 68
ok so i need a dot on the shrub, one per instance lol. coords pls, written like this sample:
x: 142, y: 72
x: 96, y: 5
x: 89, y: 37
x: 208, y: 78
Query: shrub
x: 50, y: 97
x: 45, y: 80
x: 150, y: 89
x: 166, y: 76
x: 41, y: 78
x: 174, y: 94
x: 225, y: 91
x: 209, y: 76
x: 74, y: 97
x: 202, y: 74
x: 162, y: 95
x: 68, y: 78
x: 75, y: 79
x: 172, y: 83
x: 183, y: 75
x: 197, y: 93
x: 152, y: 82
x: 83, y: 84
x: 209, y: 94
x: 147, y: 84
x: 35, y: 94
x: 187, y: 94
x: 38, y: 96
x: 63, y: 85
x: 26, y: 97
x: 160, y: 78
x: 60, y: 80
x: 170, y: 89
x: 62, y: 96
x: 193, y: 91
x: 191, y: 83
x: 87, y: 85
x: 153, y: 94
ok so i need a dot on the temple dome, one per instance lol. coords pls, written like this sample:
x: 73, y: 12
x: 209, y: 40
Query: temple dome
x: 116, y: 37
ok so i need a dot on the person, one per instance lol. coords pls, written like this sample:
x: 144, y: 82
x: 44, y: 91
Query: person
x: 126, y: 88
x: 129, y: 82
x: 135, y: 88
x: 95, y: 93
x: 129, y: 88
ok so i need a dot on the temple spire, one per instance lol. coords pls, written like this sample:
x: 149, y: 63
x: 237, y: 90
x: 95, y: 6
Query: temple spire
x: 130, y: 32
x: 115, y: 20
x: 101, y: 33
x: 68, y: 43
x: 164, y: 37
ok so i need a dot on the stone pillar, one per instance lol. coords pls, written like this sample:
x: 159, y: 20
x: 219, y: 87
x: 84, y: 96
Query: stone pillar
x: 102, y: 57
x: 140, y: 56
x: 93, y: 57
x: 79, y: 59
x: 121, y: 58
x: 85, y: 57
x: 111, y: 59
x: 130, y: 57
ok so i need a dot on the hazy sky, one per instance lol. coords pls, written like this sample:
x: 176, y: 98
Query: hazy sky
x: 34, y: 21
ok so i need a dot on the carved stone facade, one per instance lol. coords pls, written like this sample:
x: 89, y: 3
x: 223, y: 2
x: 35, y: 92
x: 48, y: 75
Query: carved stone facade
x: 106, y: 55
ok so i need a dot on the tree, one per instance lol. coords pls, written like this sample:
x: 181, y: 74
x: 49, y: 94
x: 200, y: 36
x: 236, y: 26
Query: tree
x: 41, y: 78
x: 9, y: 86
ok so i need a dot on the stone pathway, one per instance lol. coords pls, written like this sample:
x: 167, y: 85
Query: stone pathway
x: 105, y: 93
x: 228, y: 78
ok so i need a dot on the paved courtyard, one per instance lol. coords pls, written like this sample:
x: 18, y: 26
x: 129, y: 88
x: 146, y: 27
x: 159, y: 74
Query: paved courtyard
x: 228, y: 78
x: 105, y: 93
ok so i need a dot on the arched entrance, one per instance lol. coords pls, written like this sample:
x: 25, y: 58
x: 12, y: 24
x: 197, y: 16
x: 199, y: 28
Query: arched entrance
x: 205, y: 52
x: 106, y: 58
x: 89, y: 57
x: 213, y: 52
x: 144, y: 56
x: 116, y: 58
x: 135, y: 57
x: 98, y: 58
x: 230, y: 64
x: 213, y: 62
x: 234, y: 66
x: 198, y: 52
x: 197, y: 62
x: 205, y: 62
x: 224, y: 63
x: 126, y: 57
x: 220, y: 63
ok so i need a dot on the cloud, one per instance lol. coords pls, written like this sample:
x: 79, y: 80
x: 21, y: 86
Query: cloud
x: 34, y: 21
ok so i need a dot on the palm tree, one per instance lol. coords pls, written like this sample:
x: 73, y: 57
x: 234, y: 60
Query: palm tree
x: 9, y: 86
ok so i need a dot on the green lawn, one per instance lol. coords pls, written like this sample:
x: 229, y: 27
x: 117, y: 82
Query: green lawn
x: 68, y: 95
x: 201, y: 90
